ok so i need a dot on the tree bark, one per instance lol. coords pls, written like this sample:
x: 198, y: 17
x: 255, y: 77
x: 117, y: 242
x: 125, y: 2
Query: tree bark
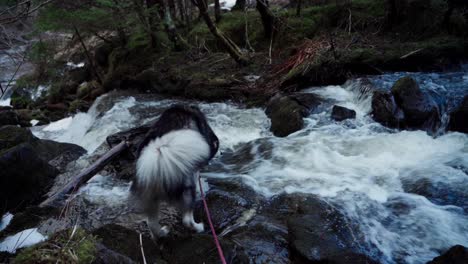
x: 182, y: 13
x: 240, y: 5
x: 85, y: 175
x: 227, y: 43
x: 174, y: 36
x: 217, y: 9
x: 298, y: 7
x: 268, y: 19
x: 88, y: 56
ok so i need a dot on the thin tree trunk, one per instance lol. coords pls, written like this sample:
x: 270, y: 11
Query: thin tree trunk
x: 172, y: 7
x: 174, y: 36
x: 298, y: 7
x: 228, y: 44
x: 268, y: 19
x: 182, y: 14
x: 88, y: 56
x: 217, y: 9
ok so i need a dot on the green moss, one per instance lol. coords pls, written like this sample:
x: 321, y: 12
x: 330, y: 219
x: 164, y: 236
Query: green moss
x: 63, y: 247
x: 56, y: 93
x: 26, y: 81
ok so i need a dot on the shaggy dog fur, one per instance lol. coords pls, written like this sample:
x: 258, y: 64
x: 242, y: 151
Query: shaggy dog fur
x: 177, y: 146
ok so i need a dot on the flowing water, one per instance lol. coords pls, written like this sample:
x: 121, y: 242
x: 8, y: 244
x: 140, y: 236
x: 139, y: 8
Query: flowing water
x: 406, y: 190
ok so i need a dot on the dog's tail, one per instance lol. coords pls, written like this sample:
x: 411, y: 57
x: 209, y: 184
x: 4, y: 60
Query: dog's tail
x: 167, y: 164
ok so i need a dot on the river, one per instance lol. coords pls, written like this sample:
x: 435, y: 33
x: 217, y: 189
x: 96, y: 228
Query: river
x: 406, y: 190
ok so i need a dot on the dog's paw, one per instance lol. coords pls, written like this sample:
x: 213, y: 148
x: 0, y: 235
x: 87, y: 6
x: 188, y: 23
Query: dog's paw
x: 164, y: 231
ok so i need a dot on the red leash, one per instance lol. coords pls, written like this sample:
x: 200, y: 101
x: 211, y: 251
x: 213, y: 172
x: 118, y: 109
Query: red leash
x: 213, y: 232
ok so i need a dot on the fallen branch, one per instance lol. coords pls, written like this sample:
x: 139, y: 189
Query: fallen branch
x: 411, y: 53
x: 85, y: 175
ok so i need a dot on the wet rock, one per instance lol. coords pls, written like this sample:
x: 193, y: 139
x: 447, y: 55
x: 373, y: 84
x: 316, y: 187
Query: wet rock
x: 420, y: 109
x: 319, y: 233
x: 459, y: 117
x: 385, y: 111
x: 127, y: 242
x: 25, y: 177
x: 28, y: 218
x: 29, y: 165
x: 307, y: 100
x: 21, y: 98
x: 11, y: 136
x: 455, y: 255
x: 262, y: 241
x: 286, y: 115
x: 24, y: 117
x: 79, y: 105
x: 8, y: 117
x: 229, y: 200
x: 101, y: 54
x: 438, y: 192
x: 199, y: 249
x: 78, y: 75
x: 340, y: 113
x: 89, y: 90
x: 108, y: 256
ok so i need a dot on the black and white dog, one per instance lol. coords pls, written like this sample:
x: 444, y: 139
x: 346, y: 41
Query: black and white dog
x: 170, y: 156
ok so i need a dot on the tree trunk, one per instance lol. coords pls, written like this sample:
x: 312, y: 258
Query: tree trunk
x: 268, y: 19
x: 228, y: 44
x: 88, y: 56
x: 217, y: 9
x: 298, y: 7
x: 174, y: 36
x: 182, y: 13
x: 240, y: 5
x: 172, y: 7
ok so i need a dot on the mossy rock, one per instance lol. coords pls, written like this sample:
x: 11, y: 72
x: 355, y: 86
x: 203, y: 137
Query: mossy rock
x: 286, y: 116
x: 11, y: 136
x: 89, y: 90
x: 127, y: 242
x: 56, y: 93
x: 69, y: 246
x: 78, y: 105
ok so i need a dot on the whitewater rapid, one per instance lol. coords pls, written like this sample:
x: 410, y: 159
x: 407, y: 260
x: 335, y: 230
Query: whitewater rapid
x: 406, y: 190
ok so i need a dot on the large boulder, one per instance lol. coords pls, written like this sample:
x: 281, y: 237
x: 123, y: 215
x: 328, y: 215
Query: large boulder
x: 25, y: 177
x: 385, y: 110
x: 455, y: 255
x: 287, y: 112
x: 319, y: 233
x: 126, y: 242
x: 459, y: 117
x: 340, y: 113
x: 8, y: 117
x: 29, y: 166
x: 420, y: 109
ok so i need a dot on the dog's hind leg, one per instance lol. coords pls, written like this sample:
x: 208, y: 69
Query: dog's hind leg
x: 188, y: 201
x: 152, y: 212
